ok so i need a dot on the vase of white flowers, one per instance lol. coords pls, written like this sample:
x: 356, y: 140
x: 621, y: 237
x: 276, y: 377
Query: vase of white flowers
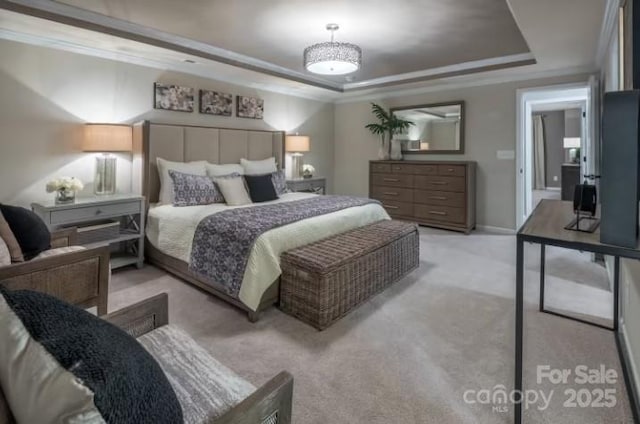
x: 65, y: 189
x: 307, y: 171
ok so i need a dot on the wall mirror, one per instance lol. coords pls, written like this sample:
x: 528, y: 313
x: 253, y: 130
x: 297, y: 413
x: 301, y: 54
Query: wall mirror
x: 437, y: 128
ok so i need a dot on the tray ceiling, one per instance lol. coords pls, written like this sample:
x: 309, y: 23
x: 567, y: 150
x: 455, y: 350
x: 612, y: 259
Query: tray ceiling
x: 397, y: 38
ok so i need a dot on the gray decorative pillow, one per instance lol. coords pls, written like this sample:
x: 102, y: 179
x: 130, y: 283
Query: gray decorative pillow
x: 280, y: 182
x: 191, y: 190
x: 233, y: 189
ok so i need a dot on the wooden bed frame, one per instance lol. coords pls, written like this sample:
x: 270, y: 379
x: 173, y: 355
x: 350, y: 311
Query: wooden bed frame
x: 184, y: 143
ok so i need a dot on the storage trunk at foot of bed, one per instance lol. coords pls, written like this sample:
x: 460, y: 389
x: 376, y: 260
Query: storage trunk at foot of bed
x: 323, y: 281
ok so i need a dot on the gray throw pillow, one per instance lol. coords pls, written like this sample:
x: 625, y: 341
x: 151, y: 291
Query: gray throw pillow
x: 280, y: 182
x: 191, y: 190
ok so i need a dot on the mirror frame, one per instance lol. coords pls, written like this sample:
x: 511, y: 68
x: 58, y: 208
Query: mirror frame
x: 463, y: 120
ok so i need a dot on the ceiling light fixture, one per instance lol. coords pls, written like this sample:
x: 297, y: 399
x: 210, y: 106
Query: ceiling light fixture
x: 332, y: 58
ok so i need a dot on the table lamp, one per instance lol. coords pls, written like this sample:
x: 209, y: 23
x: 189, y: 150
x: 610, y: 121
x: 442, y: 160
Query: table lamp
x: 296, y: 144
x: 572, y: 143
x: 106, y: 138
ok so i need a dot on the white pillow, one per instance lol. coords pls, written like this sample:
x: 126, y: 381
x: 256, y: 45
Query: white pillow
x: 221, y: 170
x: 259, y: 167
x: 234, y: 191
x: 166, y: 183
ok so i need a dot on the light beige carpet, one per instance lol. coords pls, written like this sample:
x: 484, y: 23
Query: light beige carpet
x: 409, y: 354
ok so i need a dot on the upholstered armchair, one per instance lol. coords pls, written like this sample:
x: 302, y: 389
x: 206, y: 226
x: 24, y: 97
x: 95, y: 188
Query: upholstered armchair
x: 208, y: 392
x: 77, y: 275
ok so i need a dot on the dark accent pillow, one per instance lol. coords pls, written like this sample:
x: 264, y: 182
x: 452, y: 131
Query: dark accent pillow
x: 29, y: 229
x: 191, y: 190
x: 127, y: 383
x: 261, y: 188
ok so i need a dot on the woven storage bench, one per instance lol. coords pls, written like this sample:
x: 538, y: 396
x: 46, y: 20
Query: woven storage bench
x: 321, y: 282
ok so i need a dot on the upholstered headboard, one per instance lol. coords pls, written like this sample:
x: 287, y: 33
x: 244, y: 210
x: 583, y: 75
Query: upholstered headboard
x: 185, y: 143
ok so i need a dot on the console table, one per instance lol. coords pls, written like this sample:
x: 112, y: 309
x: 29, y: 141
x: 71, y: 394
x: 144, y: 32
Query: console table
x: 545, y: 227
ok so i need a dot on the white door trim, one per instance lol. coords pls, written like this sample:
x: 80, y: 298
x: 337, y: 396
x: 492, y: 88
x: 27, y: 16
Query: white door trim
x: 526, y: 99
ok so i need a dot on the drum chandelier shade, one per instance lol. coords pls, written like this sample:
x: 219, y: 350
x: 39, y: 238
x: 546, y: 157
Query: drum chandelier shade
x: 331, y: 57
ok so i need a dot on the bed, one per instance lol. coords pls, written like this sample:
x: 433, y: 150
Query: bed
x: 170, y: 230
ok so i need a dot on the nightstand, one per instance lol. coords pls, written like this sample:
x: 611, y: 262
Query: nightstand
x: 313, y: 185
x: 117, y: 221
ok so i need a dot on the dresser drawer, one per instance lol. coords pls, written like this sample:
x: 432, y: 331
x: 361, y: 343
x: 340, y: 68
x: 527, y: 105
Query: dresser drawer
x: 392, y: 193
x: 441, y: 198
x: 398, y: 208
x: 381, y: 167
x: 425, y: 169
x: 438, y: 183
x: 402, y: 168
x: 87, y: 213
x: 440, y: 213
x: 452, y: 170
x: 392, y: 180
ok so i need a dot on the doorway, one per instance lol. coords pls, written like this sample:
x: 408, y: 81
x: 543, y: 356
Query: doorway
x: 538, y: 162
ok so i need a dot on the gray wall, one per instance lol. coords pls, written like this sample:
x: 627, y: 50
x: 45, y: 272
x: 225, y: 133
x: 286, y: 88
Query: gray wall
x: 48, y: 94
x: 490, y: 127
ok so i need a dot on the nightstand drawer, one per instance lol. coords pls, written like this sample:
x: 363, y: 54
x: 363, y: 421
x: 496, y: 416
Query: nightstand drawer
x: 87, y: 213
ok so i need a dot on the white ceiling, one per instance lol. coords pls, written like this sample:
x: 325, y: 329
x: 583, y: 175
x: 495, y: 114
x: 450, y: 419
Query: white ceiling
x: 404, y: 46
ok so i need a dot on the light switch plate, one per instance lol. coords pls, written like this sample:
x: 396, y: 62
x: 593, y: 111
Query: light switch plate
x: 506, y: 154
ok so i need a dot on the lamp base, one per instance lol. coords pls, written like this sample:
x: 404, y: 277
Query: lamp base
x: 104, y: 182
x: 296, y: 165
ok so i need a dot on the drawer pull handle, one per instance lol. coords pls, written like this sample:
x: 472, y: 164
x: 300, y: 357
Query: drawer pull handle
x: 390, y: 193
x: 98, y: 211
x: 437, y: 213
x: 390, y: 207
x: 391, y: 180
x: 439, y: 183
x: 437, y: 198
x: 450, y: 169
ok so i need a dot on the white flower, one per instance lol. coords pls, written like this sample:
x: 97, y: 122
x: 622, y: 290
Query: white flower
x: 308, y: 168
x: 64, y: 183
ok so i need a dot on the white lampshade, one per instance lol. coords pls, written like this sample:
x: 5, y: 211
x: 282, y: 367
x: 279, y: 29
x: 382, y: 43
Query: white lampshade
x: 297, y: 143
x: 107, y: 138
x: 572, y: 142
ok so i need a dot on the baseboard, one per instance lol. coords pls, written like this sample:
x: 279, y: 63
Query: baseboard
x: 498, y: 230
x: 629, y: 370
x: 553, y: 188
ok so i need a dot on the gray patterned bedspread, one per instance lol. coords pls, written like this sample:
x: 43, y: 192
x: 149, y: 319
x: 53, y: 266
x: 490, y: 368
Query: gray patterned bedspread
x: 222, y: 242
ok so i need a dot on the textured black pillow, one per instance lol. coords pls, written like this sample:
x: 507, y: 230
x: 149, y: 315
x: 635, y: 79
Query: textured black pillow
x: 128, y: 384
x: 261, y: 188
x: 31, y: 232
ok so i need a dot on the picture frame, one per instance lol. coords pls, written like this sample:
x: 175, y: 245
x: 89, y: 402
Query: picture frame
x: 173, y: 97
x: 249, y: 107
x: 215, y: 103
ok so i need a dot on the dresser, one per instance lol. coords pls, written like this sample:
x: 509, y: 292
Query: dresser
x: 438, y: 194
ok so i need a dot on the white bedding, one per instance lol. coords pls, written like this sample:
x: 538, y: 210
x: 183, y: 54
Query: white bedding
x: 171, y: 229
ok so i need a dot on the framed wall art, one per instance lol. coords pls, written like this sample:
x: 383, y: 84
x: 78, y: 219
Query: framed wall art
x: 173, y: 97
x: 249, y: 107
x: 216, y: 103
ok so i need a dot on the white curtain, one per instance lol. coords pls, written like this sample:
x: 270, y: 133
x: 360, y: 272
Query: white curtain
x: 539, y: 176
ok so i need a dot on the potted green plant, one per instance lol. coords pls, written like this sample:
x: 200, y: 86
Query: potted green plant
x: 388, y: 126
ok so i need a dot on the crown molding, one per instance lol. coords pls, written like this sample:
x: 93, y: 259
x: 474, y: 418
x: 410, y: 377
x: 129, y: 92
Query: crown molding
x: 606, y: 31
x: 181, y: 67
x: 65, y: 14
x: 434, y: 73
x: 468, y: 81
